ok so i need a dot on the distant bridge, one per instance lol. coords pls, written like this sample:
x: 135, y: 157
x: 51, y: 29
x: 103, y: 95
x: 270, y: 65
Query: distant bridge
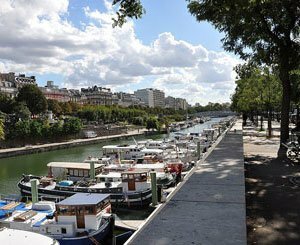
x: 215, y: 113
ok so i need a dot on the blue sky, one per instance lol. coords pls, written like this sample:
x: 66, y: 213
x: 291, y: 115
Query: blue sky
x: 72, y: 43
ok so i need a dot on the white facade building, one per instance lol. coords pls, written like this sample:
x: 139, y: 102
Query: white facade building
x: 151, y: 97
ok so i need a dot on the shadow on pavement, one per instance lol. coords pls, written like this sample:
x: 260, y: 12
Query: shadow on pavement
x: 273, y: 201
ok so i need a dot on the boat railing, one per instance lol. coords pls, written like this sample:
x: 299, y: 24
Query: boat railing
x: 92, y: 190
x: 10, y: 197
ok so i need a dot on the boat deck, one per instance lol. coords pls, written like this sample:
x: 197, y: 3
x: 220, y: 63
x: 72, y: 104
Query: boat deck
x: 22, y: 214
x: 209, y: 208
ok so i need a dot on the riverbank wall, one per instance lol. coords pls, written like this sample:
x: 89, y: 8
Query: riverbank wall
x: 31, y: 149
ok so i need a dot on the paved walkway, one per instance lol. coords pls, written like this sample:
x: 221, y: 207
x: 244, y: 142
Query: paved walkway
x: 210, y: 207
x: 272, y: 193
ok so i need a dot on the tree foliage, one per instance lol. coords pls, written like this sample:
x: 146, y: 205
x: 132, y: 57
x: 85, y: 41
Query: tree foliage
x: 152, y: 123
x: 127, y: 8
x: 6, y: 104
x: 34, y: 99
x: 2, y: 131
x: 21, y: 111
x: 54, y: 106
x: 256, y: 90
x: 72, y: 125
x: 265, y: 31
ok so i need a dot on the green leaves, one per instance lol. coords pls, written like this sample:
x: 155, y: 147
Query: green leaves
x: 34, y: 99
x: 72, y: 125
x: 127, y: 8
x: 152, y: 123
x: 257, y: 89
x: 2, y: 132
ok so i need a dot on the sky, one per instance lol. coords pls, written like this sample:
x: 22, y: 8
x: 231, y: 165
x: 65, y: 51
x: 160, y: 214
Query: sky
x: 73, y: 43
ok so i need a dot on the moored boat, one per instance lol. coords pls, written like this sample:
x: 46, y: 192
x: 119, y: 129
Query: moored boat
x: 83, y: 219
x: 133, y: 191
x: 13, y: 236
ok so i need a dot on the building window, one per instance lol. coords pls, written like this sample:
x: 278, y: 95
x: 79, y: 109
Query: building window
x: 63, y: 230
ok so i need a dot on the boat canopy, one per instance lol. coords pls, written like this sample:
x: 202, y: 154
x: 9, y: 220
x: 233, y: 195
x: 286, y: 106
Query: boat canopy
x: 152, y: 151
x: 121, y: 147
x: 109, y: 175
x: 83, y: 199
x: 75, y: 165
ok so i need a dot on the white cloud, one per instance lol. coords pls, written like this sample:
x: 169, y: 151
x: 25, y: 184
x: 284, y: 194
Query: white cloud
x: 39, y: 38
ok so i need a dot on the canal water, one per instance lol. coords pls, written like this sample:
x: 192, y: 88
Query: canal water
x: 11, y: 169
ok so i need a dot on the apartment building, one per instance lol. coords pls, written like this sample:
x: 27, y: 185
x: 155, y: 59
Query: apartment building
x: 98, y: 95
x: 151, y: 97
x: 52, y: 92
x: 11, y: 83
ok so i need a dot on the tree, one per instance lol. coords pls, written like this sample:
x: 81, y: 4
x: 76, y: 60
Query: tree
x: 34, y: 99
x: 66, y: 108
x: 257, y: 26
x: 2, y: 132
x: 127, y: 8
x: 257, y: 90
x: 6, y: 104
x: 36, y: 128
x: 265, y: 31
x: 21, y: 110
x: 72, y: 125
x: 152, y: 123
x: 56, y: 129
x: 54, y: 106
x: 22, y: 129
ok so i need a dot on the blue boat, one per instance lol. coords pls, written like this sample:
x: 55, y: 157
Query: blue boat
x: 81, y: 219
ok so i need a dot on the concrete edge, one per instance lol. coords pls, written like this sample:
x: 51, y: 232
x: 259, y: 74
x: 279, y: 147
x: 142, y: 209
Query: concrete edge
x: 11, y: 152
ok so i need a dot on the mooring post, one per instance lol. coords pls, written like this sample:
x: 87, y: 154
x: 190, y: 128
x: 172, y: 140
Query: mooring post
x: 153, y: 188
x: 198, y: 150
x: 92, y: 170
x: 34, y: 191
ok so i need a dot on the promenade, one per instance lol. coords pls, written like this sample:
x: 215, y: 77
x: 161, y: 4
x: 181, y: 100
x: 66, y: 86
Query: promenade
x: 272, y: 191
x: 62, y: 145
x: 209, y: 207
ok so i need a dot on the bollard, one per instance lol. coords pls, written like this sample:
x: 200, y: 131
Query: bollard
x: 198, y: 150
x: 153, y: 188
x: 34, y: 190
x: 159, y: 193
x: 92, y: 170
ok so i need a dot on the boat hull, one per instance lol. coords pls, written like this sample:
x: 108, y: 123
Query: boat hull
x: 101, y: 236
x: 125, y: 200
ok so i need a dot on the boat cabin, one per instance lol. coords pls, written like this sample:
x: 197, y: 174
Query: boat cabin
x: 211, y: 133
x: 72, y: 170
x: 109, y: 177
x: 83, y: 210
x: 157, y: 167
x: 153, y: 152
x: 134, y: 180
x: 126, y: 152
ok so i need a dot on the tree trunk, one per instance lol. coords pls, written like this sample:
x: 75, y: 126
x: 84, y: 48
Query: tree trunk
x: 261, y: 122
x: 297, y: 115
x: 269, y: 123
x: 245, y: 119
x: 285, y: 107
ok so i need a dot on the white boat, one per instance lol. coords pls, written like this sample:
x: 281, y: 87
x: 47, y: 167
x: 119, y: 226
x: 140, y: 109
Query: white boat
x: 211, y: 133
x: 81, y: 219
x: 72, y: 170
x: 13, y: 237
x: 123, y: 151
x: 133, y: 191
x: 156, y: 144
